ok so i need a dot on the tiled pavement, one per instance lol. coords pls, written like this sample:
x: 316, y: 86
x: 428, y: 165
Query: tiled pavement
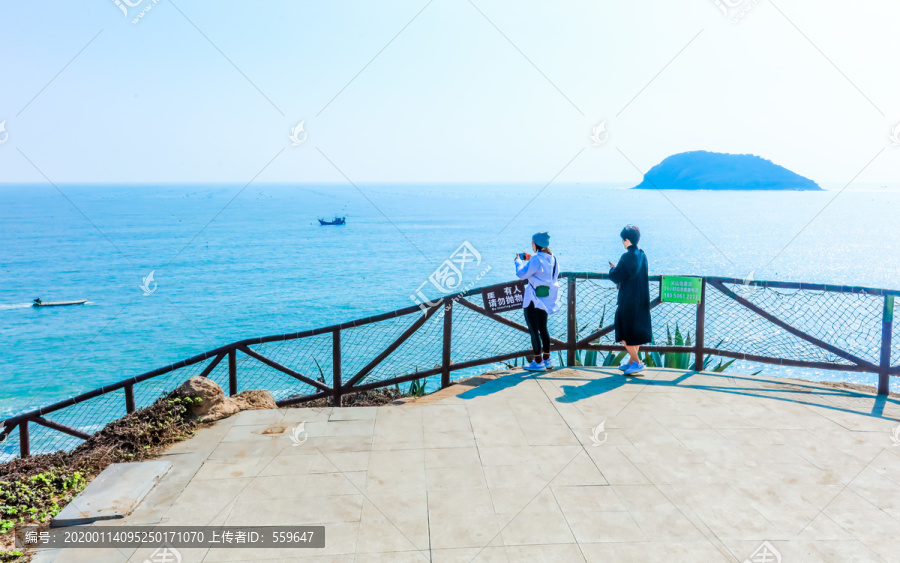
x: 689, y: 467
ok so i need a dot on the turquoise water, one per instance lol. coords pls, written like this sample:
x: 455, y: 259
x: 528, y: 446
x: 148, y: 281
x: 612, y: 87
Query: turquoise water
x: 261, y: 264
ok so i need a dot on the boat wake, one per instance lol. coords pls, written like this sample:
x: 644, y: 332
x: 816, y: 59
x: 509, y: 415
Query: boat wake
x: 14, y: 306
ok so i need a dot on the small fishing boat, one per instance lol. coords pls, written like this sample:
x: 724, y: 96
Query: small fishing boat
x: 39, y: 303
x: 336, y: 221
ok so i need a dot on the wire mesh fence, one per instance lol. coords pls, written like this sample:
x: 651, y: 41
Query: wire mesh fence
x: 311, y: 356
x: 757, y: 336
x: 849, y: 321
x: 825, y: 328
x: 420, y: 352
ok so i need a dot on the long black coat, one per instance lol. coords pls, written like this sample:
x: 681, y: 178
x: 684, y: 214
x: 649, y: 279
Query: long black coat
x: 633, y: 312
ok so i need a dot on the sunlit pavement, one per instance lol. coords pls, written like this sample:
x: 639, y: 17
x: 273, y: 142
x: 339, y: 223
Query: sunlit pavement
x: 570, y: 465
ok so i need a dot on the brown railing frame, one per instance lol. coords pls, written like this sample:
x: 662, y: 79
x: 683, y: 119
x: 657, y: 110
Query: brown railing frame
x: 571, y: 345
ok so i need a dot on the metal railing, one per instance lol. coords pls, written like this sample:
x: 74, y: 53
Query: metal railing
x: 791, y: 324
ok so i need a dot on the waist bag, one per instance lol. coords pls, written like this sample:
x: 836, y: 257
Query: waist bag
x: 544, y: 290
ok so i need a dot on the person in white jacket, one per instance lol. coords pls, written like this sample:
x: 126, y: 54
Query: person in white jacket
x: 541, y: 270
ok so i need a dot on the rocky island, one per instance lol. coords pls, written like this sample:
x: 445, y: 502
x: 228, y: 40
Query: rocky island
x: 703, y: 170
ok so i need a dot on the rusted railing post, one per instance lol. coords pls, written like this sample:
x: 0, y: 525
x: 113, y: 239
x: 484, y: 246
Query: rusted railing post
x: 336, y: 366
x: 700, y: 329
x: 129, y: 399
x: 232, y: 372
x: 448, y: 337
x: 570, y: 340
x: 887, y: 330
x: 24, y: 445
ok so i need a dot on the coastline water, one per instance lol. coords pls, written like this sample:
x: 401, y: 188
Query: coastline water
x: 262, y: 265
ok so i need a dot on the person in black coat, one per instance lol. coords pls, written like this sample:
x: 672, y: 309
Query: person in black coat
x: 632, y: 322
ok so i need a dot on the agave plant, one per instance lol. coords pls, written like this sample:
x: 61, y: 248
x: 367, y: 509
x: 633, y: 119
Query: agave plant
x: 613, y: 359
x: 682, y: 360
x: 321, y: 377
x: 417, y: 387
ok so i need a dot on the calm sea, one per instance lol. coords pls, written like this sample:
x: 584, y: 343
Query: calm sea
x: 229, y: 265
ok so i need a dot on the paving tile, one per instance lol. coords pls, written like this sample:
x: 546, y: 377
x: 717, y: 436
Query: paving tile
x: 232, y: 468
x: 456, y: 478
x: 256, y: 417
x: 363, y: 427
x: 451, y: 457
x: 380, y: 533
x: 451, y: 529
x: 492, y: 554
x: 590, y: 527
x: 247, y: 449
x: 299, y: 486
x: 580, y: 471
x: 866, y: 525
x: 462, y: 502
x: 354, y: 413
x: 308, y: 511
x: 699, y: 551
x: 297, y: 415
x: 311, y: 461
x: 877, y: 489
x: 463, y: 439
x: 537, y: 527
x: 558, y: 553
x: 587, y: 499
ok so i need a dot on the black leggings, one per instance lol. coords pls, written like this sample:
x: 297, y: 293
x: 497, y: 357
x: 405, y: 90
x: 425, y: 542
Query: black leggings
x: 536, y: 319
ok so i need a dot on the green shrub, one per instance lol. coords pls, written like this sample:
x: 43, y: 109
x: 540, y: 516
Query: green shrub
x: 37, y: 498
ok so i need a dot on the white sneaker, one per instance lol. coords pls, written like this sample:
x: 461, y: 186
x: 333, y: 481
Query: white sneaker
x: 548, y: 364
x: 535, y: 366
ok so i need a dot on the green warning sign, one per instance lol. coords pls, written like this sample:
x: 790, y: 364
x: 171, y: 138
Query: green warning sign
x: 675, y: 289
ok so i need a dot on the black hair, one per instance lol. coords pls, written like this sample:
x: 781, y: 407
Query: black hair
x: 632, y: 233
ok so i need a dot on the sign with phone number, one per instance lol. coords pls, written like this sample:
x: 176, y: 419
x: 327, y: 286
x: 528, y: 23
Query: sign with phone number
x: 674, y: 289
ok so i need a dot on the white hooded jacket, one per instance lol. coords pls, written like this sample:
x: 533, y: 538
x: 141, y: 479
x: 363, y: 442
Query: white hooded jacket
x: 541, y: 269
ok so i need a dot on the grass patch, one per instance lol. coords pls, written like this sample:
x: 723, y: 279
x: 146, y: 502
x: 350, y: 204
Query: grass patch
x: 34, y: 489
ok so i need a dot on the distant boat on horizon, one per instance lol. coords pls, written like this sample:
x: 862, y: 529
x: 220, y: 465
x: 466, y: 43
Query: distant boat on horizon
x: 38, y: 303
x: 336, y: 221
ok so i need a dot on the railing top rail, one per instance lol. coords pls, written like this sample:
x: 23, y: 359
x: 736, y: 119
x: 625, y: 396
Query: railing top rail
x: 806, y: 286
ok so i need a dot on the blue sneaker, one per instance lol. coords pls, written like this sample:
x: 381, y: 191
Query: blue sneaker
x: 633, y: 369
x: 624, y: 367
x: 535, y: 366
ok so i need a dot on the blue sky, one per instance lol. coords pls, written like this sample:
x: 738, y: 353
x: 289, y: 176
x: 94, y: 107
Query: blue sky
x: 443, y: 91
